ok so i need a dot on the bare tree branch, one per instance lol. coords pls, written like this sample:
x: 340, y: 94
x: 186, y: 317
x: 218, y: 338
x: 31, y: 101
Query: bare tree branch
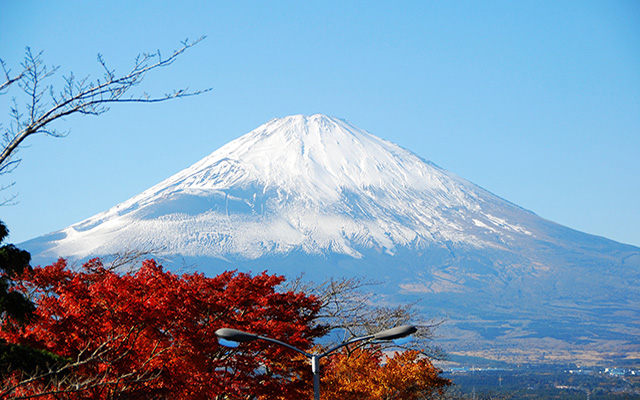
x: 8, y: 79
x: 348, y: 308
x: 65, y: 378
x: 77, y: 96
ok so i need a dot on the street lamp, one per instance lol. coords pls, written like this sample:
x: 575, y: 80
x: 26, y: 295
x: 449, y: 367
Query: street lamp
x: 237, y: 336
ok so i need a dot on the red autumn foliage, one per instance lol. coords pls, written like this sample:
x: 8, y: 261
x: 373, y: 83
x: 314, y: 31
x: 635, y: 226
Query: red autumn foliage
x: 150, y: 333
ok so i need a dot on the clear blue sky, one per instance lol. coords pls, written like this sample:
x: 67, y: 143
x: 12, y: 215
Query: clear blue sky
x: 536, y: 101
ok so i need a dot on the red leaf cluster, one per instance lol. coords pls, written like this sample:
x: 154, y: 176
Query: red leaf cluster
x: 150, y: 333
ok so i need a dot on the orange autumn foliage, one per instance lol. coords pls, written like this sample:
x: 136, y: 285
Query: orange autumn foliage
x: 367, y: 374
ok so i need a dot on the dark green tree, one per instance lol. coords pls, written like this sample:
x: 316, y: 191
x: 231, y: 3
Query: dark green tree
x: 16, y: 308
x: 13, y: 261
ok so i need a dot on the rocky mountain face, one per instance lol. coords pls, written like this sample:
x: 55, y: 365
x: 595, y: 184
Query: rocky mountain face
x: 315, y: 194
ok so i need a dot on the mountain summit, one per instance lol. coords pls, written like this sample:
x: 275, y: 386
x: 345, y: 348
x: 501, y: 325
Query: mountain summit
x: 316, y: 194
x: 316, y: 184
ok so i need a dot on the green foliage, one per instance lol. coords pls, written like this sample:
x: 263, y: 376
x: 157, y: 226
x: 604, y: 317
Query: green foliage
x: 27, y: 359
x: 16, y: 308
x: 13, y: 262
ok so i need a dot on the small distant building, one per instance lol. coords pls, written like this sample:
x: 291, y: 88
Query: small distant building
x: 581, y: 371
x: 615, y: 371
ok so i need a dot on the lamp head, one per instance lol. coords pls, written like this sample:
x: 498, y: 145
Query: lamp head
x: 235, y: 335
x: 395, y: 333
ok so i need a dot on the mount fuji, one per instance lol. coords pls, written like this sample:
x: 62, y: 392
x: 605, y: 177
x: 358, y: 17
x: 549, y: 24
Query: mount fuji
x: 315, y: 194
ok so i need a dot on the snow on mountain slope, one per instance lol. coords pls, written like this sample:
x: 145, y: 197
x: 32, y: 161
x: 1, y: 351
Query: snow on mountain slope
x: 313, y: 183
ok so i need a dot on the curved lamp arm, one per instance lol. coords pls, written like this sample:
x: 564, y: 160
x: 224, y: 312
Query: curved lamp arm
x: 239, y: 336
x: 235, y: 335
x: 389, y: 334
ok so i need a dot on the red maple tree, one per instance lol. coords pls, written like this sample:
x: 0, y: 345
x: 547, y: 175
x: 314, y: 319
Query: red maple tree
x: 150, y: 334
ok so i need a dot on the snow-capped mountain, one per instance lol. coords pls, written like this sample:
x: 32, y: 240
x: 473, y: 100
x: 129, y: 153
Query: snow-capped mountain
x: 317, y: 194
x: 315, y: 184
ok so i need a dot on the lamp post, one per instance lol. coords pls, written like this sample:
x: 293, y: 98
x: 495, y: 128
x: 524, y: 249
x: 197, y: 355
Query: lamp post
x: 237, y: 336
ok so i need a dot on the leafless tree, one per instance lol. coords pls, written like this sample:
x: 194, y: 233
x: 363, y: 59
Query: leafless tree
x: 348, y: 308
x: 41, y: 103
